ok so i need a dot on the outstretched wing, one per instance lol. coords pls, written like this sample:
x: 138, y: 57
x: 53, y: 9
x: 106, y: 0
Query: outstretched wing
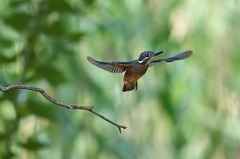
x: 180, y: 56
x: 113, y: 67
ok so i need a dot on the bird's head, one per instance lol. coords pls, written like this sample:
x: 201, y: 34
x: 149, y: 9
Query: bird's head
x: 147, y: 57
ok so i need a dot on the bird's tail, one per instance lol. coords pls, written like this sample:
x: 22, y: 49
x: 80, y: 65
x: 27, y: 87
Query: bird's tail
x: 128, y: 86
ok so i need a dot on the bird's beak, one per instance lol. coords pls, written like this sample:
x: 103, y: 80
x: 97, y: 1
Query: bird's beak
x: 150, y: 59
x: 157, y: 53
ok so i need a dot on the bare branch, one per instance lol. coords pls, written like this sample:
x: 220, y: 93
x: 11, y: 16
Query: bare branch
x: 68, y: 106
x: 117, y: 125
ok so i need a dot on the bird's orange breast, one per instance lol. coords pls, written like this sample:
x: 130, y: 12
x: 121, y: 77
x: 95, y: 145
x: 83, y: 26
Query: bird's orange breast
x: 133, y: 73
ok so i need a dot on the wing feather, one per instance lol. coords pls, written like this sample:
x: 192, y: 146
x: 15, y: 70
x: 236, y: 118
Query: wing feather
x: 180, y: 56
x: 113, y: 67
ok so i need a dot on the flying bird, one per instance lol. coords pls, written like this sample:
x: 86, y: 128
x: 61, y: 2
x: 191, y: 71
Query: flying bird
x: 137, y: 68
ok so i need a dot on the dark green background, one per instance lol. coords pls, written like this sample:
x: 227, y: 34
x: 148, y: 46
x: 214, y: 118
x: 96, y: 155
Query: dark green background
x: 187, y: 109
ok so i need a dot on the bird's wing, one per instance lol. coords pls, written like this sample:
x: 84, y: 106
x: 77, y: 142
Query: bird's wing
x: 113, y: 67
x: 180, y: 56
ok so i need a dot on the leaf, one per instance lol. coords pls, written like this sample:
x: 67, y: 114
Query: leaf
x: 4, y: 59
x: 17, y: 3
x: 75, y: 37
x: 60, y: 5
x: 2, y: 136
x: 7, y: 96
x: 54, y: 29
x: 18, y: 21
x: 89, y: 2
x: 5, y: 42
x: 53, y: 75
x: 34, y: 144
x: 39, y: 108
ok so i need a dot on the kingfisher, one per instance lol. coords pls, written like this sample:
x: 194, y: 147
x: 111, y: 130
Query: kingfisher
x: 137, y: 68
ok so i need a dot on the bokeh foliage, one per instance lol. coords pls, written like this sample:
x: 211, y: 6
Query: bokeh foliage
x: 186, y: 109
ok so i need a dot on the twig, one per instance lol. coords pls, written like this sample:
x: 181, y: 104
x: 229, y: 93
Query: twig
x: 104, y: 118
x: 68, y: 106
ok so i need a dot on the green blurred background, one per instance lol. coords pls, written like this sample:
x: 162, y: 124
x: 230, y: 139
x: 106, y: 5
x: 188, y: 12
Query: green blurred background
x: 186, y: 110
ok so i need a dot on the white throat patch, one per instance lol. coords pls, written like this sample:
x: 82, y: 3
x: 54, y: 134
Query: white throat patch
x: 140, y: 61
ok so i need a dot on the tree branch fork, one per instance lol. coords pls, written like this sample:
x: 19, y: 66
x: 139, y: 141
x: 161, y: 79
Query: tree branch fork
x: 61, y: 104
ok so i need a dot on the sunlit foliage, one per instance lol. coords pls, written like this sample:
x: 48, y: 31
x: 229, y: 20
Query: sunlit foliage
x: 186, y: 109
